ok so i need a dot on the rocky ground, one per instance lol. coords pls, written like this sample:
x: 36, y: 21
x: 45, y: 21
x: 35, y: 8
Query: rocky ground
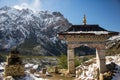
x: 86, y: 71
x: 89, y: 70
x: 34, y: 70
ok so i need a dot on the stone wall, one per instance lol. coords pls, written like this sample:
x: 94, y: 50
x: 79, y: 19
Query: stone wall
x: 14, y: 70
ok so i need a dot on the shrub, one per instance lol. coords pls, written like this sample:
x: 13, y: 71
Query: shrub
x: 62, y: 62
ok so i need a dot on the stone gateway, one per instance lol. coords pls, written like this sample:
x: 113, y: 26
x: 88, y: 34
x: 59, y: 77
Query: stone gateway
x: 93, y: 36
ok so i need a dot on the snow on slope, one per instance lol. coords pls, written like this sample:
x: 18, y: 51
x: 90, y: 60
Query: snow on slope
x: 28, y: 76
x: 116, y: 60
x: 18, y: 25
x: 115, y: 37
x: 89, y: 70
x: 112, y: 41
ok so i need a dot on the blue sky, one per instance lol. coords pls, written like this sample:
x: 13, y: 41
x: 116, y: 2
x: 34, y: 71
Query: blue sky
x: 106, y: 13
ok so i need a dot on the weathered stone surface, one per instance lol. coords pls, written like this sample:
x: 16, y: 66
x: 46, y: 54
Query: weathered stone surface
x: 14, y: 66
x: 101, y: 61
x: 14, y: 70
x: 71, y: 64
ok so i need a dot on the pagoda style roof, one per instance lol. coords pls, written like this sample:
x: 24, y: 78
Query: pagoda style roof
x: 85, y: 28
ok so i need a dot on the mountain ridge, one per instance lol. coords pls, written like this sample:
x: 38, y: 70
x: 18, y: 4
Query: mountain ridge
x: 20, y: 26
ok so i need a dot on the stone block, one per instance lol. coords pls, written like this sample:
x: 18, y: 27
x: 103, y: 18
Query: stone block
x: 14, y: 70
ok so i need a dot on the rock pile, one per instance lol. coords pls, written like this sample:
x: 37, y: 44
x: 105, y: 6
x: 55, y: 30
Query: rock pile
x: 87, y: 71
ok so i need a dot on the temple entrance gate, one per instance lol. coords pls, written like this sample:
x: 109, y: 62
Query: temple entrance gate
x: 93, y: 36
x: 100, y: 55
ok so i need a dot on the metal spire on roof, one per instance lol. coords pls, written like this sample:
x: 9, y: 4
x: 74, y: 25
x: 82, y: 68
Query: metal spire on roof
x: 84, y: 19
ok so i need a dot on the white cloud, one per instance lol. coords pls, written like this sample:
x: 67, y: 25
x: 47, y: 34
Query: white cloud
x: 22, y: 6
x: 34, y: 5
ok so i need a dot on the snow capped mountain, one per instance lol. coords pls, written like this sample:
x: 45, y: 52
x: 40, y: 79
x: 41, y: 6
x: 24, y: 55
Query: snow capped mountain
x: 31, y: 29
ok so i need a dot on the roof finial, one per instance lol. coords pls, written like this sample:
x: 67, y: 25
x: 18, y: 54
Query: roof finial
x: 84, y: 20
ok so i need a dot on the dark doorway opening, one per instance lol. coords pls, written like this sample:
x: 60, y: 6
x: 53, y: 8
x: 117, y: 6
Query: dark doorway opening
x: 84, y: 50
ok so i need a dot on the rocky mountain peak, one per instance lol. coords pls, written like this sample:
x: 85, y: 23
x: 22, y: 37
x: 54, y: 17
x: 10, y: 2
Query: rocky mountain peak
x: 18, y: 27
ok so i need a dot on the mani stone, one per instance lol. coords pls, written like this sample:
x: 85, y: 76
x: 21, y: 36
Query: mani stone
x: 14, y: 66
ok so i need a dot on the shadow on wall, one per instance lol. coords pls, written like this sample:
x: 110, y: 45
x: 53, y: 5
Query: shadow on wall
x: 84, y: 50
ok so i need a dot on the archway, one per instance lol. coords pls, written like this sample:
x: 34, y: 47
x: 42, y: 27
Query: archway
x: 93, y: 36
x: 100, y: 56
